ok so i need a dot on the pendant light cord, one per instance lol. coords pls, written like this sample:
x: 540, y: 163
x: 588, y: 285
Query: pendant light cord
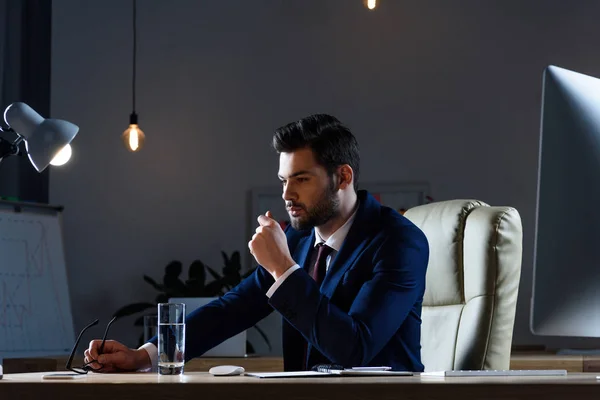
x: 134, y: 50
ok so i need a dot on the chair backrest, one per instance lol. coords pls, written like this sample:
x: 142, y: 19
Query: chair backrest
x: 472, y: 283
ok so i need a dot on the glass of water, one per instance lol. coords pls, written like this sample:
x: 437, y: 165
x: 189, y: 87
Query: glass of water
x: 171, y: 338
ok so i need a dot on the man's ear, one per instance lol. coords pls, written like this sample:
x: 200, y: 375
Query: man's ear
x: 345, y: 174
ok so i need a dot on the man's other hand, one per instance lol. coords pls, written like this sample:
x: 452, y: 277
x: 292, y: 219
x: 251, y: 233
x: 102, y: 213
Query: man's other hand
x: 115, y: 357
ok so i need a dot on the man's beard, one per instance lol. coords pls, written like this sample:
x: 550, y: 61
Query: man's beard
x: 324, y: 210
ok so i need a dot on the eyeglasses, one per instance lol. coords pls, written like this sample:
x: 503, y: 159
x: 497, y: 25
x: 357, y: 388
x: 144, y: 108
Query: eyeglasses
x: 87, y: 367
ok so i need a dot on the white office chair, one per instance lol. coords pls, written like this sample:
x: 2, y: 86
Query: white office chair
x: 472, y: 284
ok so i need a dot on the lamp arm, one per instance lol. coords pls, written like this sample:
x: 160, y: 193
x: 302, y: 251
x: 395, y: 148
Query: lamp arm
x: 8, y: 148
x: 5, y: 129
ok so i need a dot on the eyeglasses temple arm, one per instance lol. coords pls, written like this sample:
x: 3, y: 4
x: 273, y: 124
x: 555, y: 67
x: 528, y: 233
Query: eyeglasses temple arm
x: 101, y: 350
x: 70, y: 360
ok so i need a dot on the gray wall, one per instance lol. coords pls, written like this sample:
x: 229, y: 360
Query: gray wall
x: 24, y: 76
x: 442, y: 91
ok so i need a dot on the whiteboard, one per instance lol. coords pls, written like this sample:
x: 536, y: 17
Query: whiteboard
x: 35, y: 310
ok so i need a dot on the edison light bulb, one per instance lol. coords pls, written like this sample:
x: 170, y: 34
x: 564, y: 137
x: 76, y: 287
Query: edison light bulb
x: 371, y: 4
x: 133, y: 137
x: 62, y: 156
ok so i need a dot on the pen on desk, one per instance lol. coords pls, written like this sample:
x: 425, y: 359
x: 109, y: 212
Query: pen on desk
x: 372, y: 368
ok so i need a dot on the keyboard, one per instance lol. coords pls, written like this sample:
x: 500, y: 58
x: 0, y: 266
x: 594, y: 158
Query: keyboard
x: 507, y: 372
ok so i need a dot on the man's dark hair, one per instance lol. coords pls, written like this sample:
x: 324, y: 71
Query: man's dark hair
x: 331, y: 142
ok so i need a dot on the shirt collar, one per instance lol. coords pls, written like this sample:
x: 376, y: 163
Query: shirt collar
x: 337, y: 238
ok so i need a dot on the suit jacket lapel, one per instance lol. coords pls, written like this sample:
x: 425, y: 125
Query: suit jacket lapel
x: 303, y: 249
x: 358, y: 237
x: 350, y: 250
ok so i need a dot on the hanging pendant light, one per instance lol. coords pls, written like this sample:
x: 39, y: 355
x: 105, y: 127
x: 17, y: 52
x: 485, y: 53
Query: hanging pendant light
x: 370, y: 4
x: 134, y: 137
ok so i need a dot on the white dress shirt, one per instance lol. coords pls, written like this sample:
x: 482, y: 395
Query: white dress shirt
x: 335, y: 241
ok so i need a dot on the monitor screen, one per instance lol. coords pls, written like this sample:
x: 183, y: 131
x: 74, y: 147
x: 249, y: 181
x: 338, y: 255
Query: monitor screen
x: 566, y: 279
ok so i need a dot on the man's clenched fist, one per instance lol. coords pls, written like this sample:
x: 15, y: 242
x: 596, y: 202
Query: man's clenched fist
x: 269, y: 246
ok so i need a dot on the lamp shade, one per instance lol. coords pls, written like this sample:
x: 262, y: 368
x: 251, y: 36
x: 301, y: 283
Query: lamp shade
x: 44, y: 138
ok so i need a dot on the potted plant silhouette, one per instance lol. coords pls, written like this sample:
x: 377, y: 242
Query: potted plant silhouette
x: 194, y: 286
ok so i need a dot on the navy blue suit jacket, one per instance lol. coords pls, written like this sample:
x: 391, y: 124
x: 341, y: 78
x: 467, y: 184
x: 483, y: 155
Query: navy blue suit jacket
x: 366, y: 312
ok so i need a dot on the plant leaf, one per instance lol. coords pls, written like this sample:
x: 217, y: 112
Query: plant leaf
x: 225, y: 258
x: 140, y: 320
x: 132, y: 309
x: 194, y: 289
x: 214, y: 273
x: 173, y: 268
x: 215, y: 288
x: 236, y: 260
x: 231, y: 270
x: 197, y: 272
x: 162, y: 298
x: 174, y: 286
x: 152, y: 282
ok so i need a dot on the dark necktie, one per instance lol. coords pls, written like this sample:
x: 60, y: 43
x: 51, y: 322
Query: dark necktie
x: 320, y: 267
x: 318, y: 274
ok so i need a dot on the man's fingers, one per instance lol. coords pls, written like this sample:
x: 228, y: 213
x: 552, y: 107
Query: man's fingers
x: 112, y: 346
x: 88, y: 359
x: 114, y: 357
x: 93, y: 349
x: 110, y: 359
x: 265, y: 220
x: 269, y: 215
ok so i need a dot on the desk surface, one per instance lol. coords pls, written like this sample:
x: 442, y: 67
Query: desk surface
x: 150, y: 386
x: 572, y: 363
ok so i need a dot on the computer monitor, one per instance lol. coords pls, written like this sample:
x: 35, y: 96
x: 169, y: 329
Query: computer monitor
x: 566, y: 279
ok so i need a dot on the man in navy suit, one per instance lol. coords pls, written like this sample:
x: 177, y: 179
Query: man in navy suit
x: 347, y: 276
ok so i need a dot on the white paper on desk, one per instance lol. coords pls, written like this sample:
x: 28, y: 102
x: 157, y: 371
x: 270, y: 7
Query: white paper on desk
x: 434, y: 373
x: 349, y: 372
x: 354, y: 372
x: 293, y: 374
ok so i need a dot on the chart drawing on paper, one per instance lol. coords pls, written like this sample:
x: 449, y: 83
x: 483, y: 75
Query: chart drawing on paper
x: 35, y: 311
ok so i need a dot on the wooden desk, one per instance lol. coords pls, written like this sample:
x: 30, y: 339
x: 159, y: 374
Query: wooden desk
x: 150, y: 386
x: 524, y: 360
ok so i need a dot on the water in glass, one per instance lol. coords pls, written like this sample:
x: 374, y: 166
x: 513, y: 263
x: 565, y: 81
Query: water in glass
x: 171, y: 351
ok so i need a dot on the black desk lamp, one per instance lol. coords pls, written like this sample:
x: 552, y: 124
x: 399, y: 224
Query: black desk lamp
x: 46, y: 140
